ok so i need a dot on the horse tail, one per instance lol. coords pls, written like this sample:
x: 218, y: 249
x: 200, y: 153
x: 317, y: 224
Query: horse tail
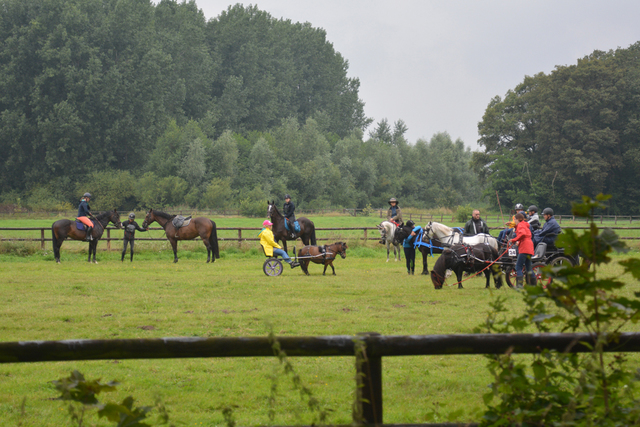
x: 313, y: 234
x: 213, y: 240
x: 54, y: 242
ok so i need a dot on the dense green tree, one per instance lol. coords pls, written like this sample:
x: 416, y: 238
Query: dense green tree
x: 572, y: 132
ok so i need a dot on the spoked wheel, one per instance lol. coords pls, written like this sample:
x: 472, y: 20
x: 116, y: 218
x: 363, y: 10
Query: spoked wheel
x: 272, y: 267
x: 537, y: 272
x: 511, y: 276
x: 561, y: 261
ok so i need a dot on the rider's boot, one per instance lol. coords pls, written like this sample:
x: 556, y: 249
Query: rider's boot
x: 519, y: 282
x: 294, y: 264
x: 89, y: 237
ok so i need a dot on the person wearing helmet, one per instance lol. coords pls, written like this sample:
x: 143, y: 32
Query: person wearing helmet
x: 394, y: 214
x: 475, y: 225
x: 130, y: 228
x: 288, y: 210
x: 534, y: 220
x: 549, y: 231
x: 84, y: 212
x: 408, y: 245
x: 270, y: 246
x: 503, y: 235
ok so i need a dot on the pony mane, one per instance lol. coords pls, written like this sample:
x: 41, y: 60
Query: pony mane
x: 163, y: 215
x: 441, y: 227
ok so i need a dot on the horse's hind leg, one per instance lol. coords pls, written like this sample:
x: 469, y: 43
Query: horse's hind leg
x: 399, y: 252
x: 425, y: 262
x: 388, y: 249
x: 174, y: 246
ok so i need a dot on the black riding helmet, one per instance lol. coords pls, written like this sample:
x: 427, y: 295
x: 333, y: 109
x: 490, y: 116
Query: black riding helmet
x: 547, y: 211
x: 132, y: 215
x: 86, y: 195
x: 533, y: 208
x: 286, y: 196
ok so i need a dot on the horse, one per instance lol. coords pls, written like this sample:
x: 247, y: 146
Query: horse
x: 469, y: 258
x: 200, y: 226
x: 450, y: 236
x: 427, y: 246
x: 280, y: 234
x: 387, y: 237
x: 64, y: 228
x: 321, y: 255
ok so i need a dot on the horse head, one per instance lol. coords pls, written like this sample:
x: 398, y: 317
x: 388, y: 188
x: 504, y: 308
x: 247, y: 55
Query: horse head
x: 114, y: 217
x: 341, y: 248
x: 148, y: 219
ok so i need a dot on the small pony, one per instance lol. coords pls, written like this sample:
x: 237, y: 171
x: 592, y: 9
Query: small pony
x: 387, y: 232
x: 321, y: 255
x: 469, y: 258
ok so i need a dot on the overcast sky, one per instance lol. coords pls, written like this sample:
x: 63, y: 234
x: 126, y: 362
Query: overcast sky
x: 437, y: 64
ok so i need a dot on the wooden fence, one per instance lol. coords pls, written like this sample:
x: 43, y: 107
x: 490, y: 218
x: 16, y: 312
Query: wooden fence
x: 45, y: 231
x: 368, y: 350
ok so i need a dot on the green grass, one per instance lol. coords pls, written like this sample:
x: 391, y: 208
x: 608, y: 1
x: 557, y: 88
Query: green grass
x: 152, y: 297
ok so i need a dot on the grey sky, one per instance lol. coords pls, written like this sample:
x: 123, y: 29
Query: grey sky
x: 437, y: 64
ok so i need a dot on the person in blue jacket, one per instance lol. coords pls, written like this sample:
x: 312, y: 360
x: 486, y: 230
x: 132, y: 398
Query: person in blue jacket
x: 408, y: 244
x: 550, y: 229
x: 84, y: 212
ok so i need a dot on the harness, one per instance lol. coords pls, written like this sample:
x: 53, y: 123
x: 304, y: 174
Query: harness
x: 420, y: 242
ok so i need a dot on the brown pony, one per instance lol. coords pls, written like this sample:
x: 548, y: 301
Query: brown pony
x: 280, y: 234
x: 64, y: 228
x: 321, y: 255
x: 201, y: 226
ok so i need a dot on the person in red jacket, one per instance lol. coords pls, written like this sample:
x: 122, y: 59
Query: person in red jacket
x: 525, y: 250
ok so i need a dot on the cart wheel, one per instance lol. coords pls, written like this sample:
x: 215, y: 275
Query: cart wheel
x: 561, y: 261
x: 272, y: 267
x: 510, y: 275
x: 540, y: 277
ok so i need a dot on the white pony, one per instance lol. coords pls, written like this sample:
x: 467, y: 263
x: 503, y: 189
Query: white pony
x: 387, y: 232
x: 451, y: 236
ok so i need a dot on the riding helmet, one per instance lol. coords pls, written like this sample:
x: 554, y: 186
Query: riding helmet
x: 132, y: 215
x: 393, y: 199
x: 86, y: 195
x: 533, y: 208
x: 547, y: 211
x: 286, y: 196
x: 519, y: 207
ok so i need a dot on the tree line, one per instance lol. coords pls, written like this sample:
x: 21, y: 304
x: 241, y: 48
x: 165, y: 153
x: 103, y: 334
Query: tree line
x: 152, y: 105
x: 573, y: 132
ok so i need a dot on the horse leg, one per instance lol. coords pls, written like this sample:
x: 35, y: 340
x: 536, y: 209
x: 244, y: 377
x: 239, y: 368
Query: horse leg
x: 174, y: 246
x: 399, y: 253
x: 305, y: 266
x: 459, y: 277
x: 388, y: 249
x: 332, y: 268
x: 487, y: 275
x: 425, y: 262
x: 497, y: 276
x: 325, y: 268
x: 209, y: 250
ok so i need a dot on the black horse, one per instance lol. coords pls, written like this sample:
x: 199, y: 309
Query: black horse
x: 426, y: 246
x: 307, y: 229
x: 64, y: 228
x: 467, y: 258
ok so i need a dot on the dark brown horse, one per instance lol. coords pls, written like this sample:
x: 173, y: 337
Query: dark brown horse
x: 307, y: 228
x: 64, y: 228
x: 469, y: 258
x: 201, y: 226
x: 321, y: 255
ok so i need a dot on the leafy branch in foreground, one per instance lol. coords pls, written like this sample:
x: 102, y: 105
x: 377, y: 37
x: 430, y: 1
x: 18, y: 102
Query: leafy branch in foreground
x: 82, y: 395
x: 567, y: 389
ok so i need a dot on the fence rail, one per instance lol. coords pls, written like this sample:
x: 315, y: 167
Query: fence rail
x: 240, y: 238
x: 368, y: 355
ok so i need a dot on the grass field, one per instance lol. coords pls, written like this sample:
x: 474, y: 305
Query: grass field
x: 152, y: 298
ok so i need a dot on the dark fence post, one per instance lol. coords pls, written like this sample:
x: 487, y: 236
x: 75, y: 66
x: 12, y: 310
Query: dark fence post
x: 42, y: 239
x: 369, y: 382
x: 366, y: 235
x: 239, y: 237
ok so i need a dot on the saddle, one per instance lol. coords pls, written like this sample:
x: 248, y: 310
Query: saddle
x: 180, y: 221
x: 296, y: 226
x: 80, y: 226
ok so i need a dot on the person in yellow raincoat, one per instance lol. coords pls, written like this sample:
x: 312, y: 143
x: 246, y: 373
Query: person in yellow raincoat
x: 270, y: 246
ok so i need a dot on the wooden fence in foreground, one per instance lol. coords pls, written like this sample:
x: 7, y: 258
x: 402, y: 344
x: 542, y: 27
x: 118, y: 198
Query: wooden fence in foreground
x: 368, y: 233
x: 368, y: 350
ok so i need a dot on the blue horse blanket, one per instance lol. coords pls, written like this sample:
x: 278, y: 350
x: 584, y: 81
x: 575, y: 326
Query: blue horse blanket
x: 296, y: 226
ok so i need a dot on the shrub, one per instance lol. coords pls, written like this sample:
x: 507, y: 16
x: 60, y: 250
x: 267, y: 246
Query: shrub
x: 463, y: 213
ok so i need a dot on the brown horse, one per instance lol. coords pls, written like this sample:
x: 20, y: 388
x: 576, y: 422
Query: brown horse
x: 64, y: 228
x: 201, y: 226
x: 321, y: 255
x: 280, y: 234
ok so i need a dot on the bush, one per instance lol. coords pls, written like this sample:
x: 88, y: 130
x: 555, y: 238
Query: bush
x: 463, y: 213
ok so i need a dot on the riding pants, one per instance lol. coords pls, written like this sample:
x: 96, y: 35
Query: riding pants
x: 124, y: 249
x: 410, y: 258
x: 283, y: 254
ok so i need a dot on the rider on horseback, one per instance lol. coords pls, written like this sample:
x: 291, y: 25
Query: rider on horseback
x: 288, y: 210
x: 394, y: 214
x: 84, y: 211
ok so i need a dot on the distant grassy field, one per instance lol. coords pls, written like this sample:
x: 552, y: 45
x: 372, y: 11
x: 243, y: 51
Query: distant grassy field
x: 152, y: 297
